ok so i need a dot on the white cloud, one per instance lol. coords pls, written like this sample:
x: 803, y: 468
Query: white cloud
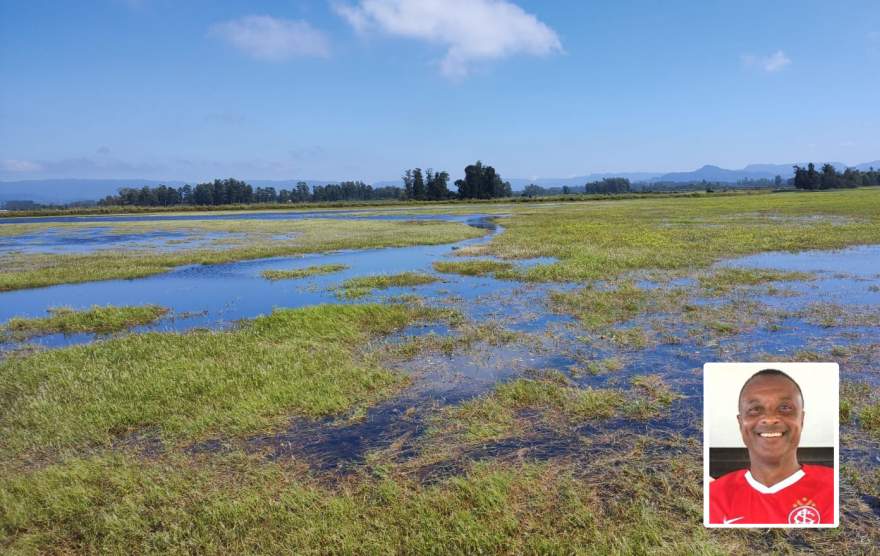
x: 270, y: 38
x: 772, y: 63
x: 23, y: 166
x: 471, y: 30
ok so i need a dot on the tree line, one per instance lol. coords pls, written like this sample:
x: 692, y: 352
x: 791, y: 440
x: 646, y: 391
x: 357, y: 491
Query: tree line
x: 480, y: 182
x: 606, y: 186
x: 829, y: 178
x: 232, y: 192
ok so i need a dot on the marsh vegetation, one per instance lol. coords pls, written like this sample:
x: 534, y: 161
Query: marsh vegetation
x: 97, y: 320
x: 490, y: 404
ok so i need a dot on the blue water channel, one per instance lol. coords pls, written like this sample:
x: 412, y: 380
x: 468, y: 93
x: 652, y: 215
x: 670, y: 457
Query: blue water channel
x: 217, y: 296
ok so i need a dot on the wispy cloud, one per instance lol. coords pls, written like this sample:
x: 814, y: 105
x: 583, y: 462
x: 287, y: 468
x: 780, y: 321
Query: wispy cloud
x: 274, y: 39
x: 19, y: 166
x: 772, y: 63
x: 471, y: 30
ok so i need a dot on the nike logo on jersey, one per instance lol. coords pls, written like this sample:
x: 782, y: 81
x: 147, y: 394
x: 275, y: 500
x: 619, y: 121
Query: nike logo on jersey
x: 733, y: 519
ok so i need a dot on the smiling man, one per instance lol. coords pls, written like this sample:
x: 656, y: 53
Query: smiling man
x: 776, y: 489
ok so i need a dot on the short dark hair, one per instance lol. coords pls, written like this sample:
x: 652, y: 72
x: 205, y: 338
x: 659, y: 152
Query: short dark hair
x: 770, y: 372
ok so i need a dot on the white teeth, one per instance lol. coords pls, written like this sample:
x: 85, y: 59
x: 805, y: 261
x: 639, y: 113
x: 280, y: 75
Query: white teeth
x: 770, y: 434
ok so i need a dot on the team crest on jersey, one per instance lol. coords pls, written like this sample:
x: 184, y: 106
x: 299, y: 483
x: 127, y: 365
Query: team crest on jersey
x: 804, y: 512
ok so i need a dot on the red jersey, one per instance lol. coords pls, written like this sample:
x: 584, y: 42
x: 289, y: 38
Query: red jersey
x: 804, y: 498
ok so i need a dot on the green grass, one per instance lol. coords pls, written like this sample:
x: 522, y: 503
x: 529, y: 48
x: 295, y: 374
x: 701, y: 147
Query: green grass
x: 726, y: 279
x: 467, y: 336
x: 472, y: 268
x: 601, y: 240
x: 98, y: 320
x: 557, y: 403
x: 363, y: 285
x: 859, y: 399
x: 869, y: 417
x: 831, y: 315
x: 635, y: 338
x: 656, y: 388
x: 713, y: 321
x: 122, y: 505
x: 260, y: 240
x: 182, y: 387
x: 599, y: 366
x: 303, y: 272
x: 601, y: 308
x: 495, y: 415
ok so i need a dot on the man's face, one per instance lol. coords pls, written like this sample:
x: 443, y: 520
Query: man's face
x: 771, y: 416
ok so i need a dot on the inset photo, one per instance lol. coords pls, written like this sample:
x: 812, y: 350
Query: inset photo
x: 771, y: 445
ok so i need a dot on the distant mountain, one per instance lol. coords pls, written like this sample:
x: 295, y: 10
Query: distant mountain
x: 868, y: 165
x: 576, y: 181
x: 716, y: 174
x: 70, y: 190
x: 750, y: 172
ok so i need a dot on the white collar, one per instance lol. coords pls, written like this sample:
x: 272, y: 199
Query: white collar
x: 773, y: 489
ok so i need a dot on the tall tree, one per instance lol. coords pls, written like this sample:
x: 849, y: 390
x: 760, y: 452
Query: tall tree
x: 829, y: 178
x: 437, y: 185
x: 408, y: 184
x: 419, y: 190
x: 482, y: 182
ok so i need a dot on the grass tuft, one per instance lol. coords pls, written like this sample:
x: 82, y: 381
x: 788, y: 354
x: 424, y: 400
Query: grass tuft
x: 298, y: 273
x: 600, y: 308
x: 97, y: 320
x: 724, y: 280
x: 869, y: 417
x: 472, y: 268
x: 495, y: 415
x: 364, y: 285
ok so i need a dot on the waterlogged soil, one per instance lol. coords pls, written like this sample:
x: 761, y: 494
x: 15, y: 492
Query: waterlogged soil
x: 791, y: 320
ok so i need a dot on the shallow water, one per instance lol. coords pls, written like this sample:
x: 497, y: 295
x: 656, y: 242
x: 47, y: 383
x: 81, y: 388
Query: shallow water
x: 94, y: 238
x: 86, y: 240
x: 217, y: 296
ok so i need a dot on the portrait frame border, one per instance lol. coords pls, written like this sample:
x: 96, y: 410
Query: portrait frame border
x: 781, y: 365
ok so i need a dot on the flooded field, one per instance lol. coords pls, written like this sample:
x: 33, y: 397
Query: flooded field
x: 513, y: 361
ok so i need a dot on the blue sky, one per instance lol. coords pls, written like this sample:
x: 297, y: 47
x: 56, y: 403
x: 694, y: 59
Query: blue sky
x: 363, y: 89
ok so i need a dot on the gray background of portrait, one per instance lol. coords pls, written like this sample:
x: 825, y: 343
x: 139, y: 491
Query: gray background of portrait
x: 818, y: 381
